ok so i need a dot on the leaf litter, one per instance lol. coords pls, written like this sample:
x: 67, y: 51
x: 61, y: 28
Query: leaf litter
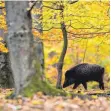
x: 41, y: 102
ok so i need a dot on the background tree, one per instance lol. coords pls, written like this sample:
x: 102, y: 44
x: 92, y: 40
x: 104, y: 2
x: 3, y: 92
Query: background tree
x: 37, y: 25
x: 6, y: 79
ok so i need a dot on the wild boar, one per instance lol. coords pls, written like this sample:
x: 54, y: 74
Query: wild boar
x: 83, y: 73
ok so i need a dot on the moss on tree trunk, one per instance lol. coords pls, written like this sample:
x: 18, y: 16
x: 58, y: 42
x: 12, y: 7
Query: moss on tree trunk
x: 38, y: 84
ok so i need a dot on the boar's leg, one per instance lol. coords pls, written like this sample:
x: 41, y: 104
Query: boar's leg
x: 76, y: 85
x: 101, y: 85
x: 85, y: 85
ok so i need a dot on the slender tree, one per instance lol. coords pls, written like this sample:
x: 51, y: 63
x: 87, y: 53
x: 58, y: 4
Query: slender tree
x: 64, y: 49
x: 59, y: 5
x: 62, y: 56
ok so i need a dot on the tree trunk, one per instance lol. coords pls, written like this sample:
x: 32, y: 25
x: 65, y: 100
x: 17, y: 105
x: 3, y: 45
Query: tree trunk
x: 24, y: 57
x: 61, y: 60
x: 20, y: 42
x: 38, y: 42
x: 6, y: 79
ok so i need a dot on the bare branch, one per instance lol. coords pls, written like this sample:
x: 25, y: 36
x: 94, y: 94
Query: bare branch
x: 54, y: 8
x: 48, y: 29
x: 84, y: 28
x: 2, y: 7
x: 85, y: 50
x: 32, y: 6
x: 73, y: 1
x: 94, y: 33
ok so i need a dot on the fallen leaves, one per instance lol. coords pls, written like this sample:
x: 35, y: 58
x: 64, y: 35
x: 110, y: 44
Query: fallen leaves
x: 40, y: 102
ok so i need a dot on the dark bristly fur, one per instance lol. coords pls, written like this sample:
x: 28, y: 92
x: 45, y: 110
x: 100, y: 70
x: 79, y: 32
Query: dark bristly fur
x: 83, y: 73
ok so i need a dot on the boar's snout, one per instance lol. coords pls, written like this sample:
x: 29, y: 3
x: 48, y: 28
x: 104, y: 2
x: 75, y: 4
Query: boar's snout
x: 68, y: 82
x: 64, y: 85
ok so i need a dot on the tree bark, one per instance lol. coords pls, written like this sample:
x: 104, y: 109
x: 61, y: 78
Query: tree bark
x: 20, y: 42
x: 24, y: 57
x: 61, y: 60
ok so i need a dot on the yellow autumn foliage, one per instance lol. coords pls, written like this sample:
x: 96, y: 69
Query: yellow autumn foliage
x: 83, y: 19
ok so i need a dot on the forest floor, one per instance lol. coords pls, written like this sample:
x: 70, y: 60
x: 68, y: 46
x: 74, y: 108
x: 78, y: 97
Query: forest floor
x: 88, y: 101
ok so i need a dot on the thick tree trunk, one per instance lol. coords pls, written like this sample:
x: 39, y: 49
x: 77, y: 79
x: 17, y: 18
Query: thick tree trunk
x: 20, y: 43
x: 61, y: 60
x: 24, y: 57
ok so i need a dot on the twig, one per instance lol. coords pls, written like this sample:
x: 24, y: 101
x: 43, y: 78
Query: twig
x: 29, y: 11
x: 54, y: 8
x: 47, y: 29
x: 90, y: 33
x: 2, y: 7
x: 85, y: 50
x: 73, y: 1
